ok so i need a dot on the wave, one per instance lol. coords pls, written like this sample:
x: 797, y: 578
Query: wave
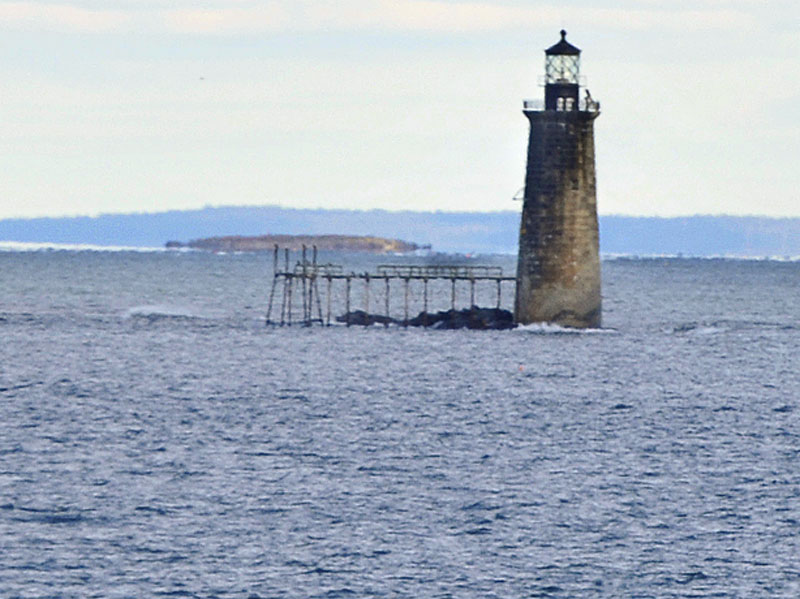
x: 159, y: 312
x: 700, y: 328
x: 548, y: 328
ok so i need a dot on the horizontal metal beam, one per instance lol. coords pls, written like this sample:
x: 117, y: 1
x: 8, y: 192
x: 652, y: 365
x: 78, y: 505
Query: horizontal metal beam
x: 311, y: 275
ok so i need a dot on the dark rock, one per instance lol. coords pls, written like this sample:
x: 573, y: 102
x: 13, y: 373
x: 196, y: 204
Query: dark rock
x: 361, y: 318
x: 468, y: 318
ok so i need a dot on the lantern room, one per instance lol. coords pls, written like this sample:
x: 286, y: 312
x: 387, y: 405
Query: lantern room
x: 562, y: 75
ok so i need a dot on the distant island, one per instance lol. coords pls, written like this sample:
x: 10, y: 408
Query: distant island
x: 261, y: 243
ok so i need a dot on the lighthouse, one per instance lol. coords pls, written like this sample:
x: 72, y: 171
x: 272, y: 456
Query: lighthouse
x: 558, y: 265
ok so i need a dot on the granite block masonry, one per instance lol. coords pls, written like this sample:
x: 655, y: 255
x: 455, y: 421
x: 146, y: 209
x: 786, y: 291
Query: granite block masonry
x: 558, y: 267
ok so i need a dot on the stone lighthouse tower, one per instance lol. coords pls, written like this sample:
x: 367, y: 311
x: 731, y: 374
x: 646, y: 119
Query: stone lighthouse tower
x: 558, y: 268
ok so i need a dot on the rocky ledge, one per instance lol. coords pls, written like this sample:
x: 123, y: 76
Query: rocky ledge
x: 468, y: 318
x: 261, y: 243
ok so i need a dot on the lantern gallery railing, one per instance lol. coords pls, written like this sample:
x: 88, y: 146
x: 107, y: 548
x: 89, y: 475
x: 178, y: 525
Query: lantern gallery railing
x: 584, y: 105
x: 542, y: 81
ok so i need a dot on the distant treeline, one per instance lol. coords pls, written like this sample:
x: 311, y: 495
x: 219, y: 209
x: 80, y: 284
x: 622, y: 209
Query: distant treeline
x: 463, y: 232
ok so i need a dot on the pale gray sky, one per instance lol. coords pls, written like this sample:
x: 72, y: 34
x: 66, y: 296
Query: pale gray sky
x: 149, y: 105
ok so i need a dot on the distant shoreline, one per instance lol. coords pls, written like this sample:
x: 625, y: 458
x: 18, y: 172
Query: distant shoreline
x: 262, y: 243
x: 464, y: 232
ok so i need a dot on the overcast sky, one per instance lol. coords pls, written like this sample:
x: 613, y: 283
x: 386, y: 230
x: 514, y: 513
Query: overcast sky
x: 150, y: 105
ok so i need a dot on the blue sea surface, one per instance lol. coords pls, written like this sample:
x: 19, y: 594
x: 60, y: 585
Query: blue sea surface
x: 158, y: 440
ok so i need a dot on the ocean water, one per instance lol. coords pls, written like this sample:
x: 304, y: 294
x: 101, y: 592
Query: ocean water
x: 158, y: 440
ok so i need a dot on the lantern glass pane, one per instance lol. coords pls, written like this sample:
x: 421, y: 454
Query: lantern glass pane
x: 560, y: 68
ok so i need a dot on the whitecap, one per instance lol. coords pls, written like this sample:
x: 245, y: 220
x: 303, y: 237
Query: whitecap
x: 158, y: 311
x: 549, y: 328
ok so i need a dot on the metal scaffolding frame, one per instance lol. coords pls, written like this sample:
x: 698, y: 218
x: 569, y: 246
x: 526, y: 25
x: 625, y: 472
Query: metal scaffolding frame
x: 305, y: 276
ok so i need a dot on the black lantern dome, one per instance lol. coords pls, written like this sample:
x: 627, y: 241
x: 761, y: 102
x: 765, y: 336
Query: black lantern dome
x: 563, y: 47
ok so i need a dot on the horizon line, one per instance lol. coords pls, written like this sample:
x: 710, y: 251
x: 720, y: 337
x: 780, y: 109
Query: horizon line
x: 369, y: 210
